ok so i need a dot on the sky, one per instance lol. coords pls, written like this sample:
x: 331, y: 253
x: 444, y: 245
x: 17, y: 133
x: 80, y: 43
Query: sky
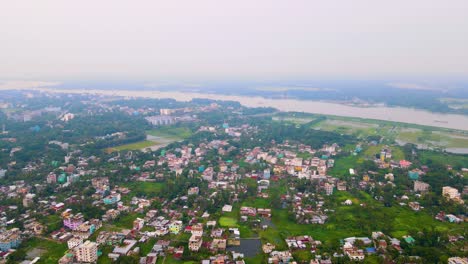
x: 52, y: 40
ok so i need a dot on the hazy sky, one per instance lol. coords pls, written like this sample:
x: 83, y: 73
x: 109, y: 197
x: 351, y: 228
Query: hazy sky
x: 198, y: 39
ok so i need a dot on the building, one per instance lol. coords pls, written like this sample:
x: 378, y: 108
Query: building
x: 2, y: 173
x: 28, y: 200
x: 138, y: 224
x: 420, y: 186
x: 195, y: 243
x: 160, y: 120
x: 73, y: 221
x: 52, y: 178
x: 86, y: 252
x: 457, y: 260
x: 9, y: 239
x: 328, y: 188
x: 451, y: 194
x: 112, y: 198
x: 74, y: 242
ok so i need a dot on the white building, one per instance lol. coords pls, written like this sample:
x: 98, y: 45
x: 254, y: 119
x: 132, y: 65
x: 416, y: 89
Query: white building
x: 329, y: 188
x: 451, y: 194
x: 74, y: 242
x: 420, y: 186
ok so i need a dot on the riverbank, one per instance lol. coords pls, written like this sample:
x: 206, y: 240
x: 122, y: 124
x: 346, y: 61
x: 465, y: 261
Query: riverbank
x: 394, y: 114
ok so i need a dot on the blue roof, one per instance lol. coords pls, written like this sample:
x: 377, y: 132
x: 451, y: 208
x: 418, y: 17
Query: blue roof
x: 370, y: 250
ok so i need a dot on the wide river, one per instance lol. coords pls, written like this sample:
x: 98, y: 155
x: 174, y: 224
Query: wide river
x: 396, y: 114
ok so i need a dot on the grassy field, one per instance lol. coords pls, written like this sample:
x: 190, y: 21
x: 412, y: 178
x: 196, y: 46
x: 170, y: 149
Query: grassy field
x: 434, y: 138
x: 397, y: 153
x: 343, y: 164
x: 126, y: 221
x: 149, y: 189
x: 171, y: 132
x: 389, y: 131
x: 53, y: 251
x: 133, y: 146
x: 226, y: 221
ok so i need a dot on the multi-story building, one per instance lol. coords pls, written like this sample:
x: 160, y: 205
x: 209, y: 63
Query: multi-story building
x: 86, y: 252
x: 74, y: 242
x: 9, y: 239
x: 420, y: 186
x: 73, y: 221
x: 329, y: 188
x: 112, y: 198
x: 160, y: 120
x: 28, y: 200
x: 138, y: 224
x: 195, y: 243
x: 451, y: 194
x: 52, y: 178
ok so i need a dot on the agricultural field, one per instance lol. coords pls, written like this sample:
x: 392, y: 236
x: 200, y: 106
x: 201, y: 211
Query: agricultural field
x: 433, y: 138
x: 401, y: 133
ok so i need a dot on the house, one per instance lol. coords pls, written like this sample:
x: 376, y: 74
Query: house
x: 420, y: 186
x: 123, y: 249
x: 218, y: 244
x: 195, y: 243
x: 175, y: 227
x: 112, y: 198
x: 404, y: 164
x: 138, y: 224
x: 234, y: 237
x: 9, y: 239
x: 451, y: 193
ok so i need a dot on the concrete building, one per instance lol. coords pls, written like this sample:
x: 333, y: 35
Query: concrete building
x: 160, y: 120
x: 74, y: 242
x: 457, y: 260
x: 329, y: 188
x: 86, y: 252
x: 73, y: 221
x: 420, y: 186
x: 195, y: 243
x: 9, y: 239
x: 451, y: 194
x: 28, y: 200
x: 52, y: 178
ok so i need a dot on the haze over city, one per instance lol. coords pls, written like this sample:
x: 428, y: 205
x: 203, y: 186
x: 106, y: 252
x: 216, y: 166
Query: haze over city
x: 190, y: 41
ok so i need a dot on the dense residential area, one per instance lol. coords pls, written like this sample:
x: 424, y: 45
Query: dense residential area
x: 108, y: 179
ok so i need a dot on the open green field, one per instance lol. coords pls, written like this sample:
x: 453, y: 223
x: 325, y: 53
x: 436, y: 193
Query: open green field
x: 434, y: 138
x: 397, y: 153
x: 51, y: 251
x: 148, y: 189
x: 133, y: 146
x: 171, y: 132
x: 355, y: 220
x: 126, y: 221
x: 389, y: 131
x: 226, y: 221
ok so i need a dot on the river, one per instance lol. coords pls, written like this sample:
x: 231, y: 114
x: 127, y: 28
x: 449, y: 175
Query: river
x: 396, y: 114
